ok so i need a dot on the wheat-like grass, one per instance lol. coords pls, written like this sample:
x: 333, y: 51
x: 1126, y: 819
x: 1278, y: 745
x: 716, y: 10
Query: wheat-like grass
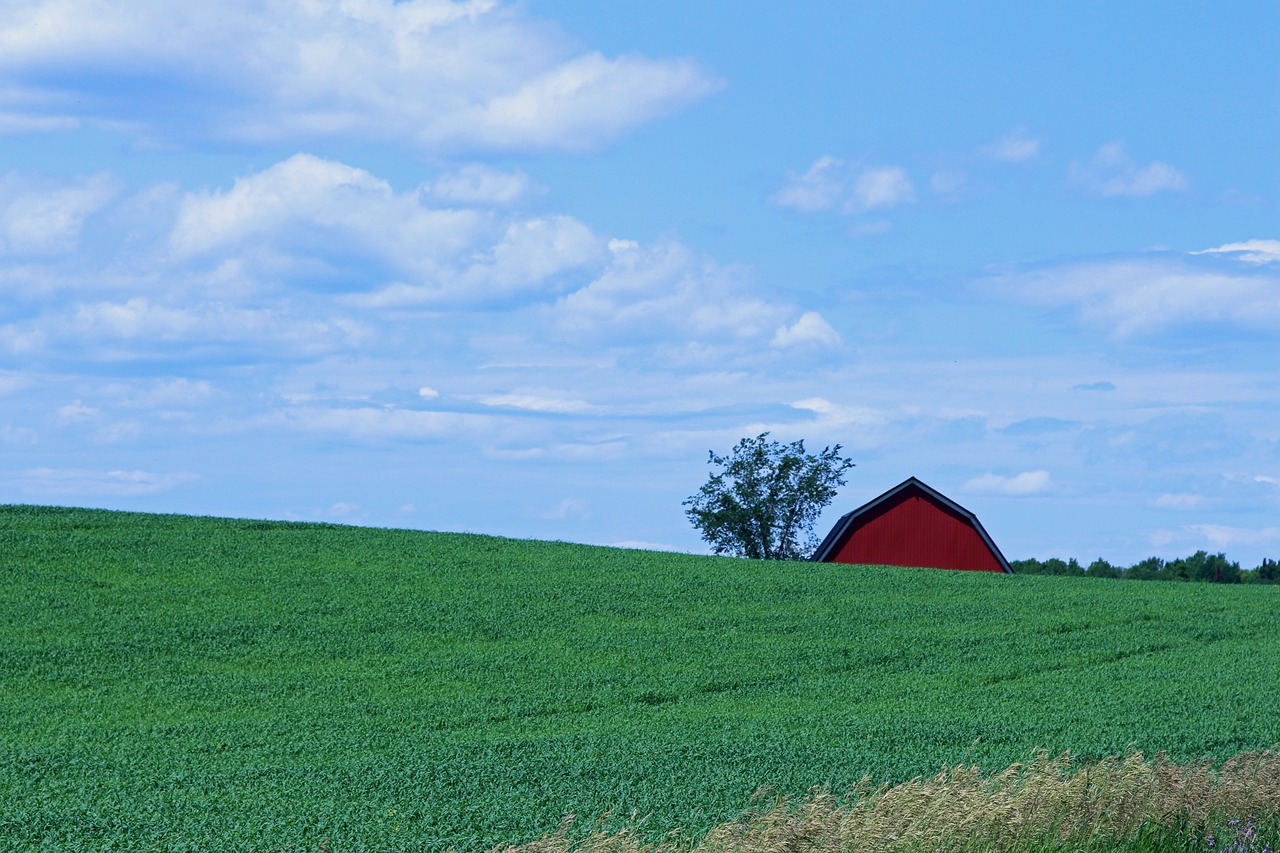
x: 1048, y: 803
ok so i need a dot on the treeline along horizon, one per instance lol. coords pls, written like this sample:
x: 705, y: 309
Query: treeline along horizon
x: 1200, y: 566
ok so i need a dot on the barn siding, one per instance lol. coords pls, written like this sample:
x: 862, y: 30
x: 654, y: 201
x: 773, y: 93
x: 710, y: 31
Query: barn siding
x: 911, y: 530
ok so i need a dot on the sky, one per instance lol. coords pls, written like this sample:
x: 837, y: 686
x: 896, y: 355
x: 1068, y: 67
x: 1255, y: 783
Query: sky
x: 515, y: 268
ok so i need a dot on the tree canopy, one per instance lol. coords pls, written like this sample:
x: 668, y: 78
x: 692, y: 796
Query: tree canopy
x: 765, y: 500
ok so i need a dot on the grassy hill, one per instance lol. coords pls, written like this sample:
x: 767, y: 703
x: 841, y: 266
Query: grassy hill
x: 177, y: 683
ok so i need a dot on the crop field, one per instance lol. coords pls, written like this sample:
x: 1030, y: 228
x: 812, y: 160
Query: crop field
x: 179, y: 683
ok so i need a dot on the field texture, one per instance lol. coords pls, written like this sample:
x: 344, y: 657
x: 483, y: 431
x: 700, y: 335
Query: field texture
x: 183, y: 683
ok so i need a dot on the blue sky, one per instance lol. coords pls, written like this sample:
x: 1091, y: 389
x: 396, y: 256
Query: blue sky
x: 514, y: 268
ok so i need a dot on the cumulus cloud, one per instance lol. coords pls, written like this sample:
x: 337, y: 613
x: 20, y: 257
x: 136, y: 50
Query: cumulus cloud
x: 1026, y: 483
x: 1150, y: 293
x: 311, y: 257
x: 1016, y: 146
x: 810, y: 329
x: 664, y: 291
x: 832, y: 184
x: 336, y: 226
x: 447, y: 75
x: 1112, y: 173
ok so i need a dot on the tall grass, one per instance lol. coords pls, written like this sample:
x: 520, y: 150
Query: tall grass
x: 1051, y: 803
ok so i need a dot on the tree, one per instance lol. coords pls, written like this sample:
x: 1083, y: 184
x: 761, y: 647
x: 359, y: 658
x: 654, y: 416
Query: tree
x: 1149, y: 569
x: 1100, y: 568
x: 766, y: 499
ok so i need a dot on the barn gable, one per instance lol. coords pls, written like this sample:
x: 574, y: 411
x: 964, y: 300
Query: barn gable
x: 912, y: 525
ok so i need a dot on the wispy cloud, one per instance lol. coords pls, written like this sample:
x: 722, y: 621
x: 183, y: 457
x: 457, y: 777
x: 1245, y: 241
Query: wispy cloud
x: 1016, y: 146
x: 80, y: 483
x: 1250, y: 251
x: 479, y: 185
x: 1226, y: 536
x: 1112, y: 173
x: 1026, y: 483
x: 833, y: 184
x: 448, y: 76
x: 1178, y: 500
x: 42, y: 217
x: 1149, y: 293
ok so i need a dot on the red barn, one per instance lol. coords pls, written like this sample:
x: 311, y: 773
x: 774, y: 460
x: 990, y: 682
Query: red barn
x: 912, y: 525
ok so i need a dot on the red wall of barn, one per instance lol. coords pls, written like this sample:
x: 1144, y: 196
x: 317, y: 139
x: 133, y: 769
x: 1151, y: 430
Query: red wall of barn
x: 911, y: 530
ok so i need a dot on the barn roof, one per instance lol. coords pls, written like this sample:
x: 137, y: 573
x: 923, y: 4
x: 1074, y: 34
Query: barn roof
x: 849, y: 521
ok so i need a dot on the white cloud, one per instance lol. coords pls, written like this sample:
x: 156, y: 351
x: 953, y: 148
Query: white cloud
x: 1250, y: 251
x: 315, y: 220
x: 539, y: 403
x: 576, y: 105
x: 1178, y: 500
x: 1016, y: 146
x: 1112, y: 173
x: 139, y: 328
x: 887, y: 186
x: 446, y: 74
x: 41, y: 217
x: 831, y: 184
x: 310, y: 190
x: 531, y: 252
x: 570, y: 508
x: 480, y: 185
x: 810, y: 329
x: 370, y: 423
x: 1147, y: 294
x: 951, y: 183
x: 1026, y: 483
x: 18, y: 436
x: 347, y: 511
x: 833, y: 417
x: 1225, y: 536
x: 817, y: 189
x: 76, y: 482
x: 664, y: 292
x: 74, y: 413
x: 12, y: 124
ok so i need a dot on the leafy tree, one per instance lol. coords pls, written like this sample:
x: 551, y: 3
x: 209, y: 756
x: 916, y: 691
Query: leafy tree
x: 1100, y: 568
x: 764, y: 502
x: 1149, y: 569
x: 1203, y: 566
x: 1267, y: 572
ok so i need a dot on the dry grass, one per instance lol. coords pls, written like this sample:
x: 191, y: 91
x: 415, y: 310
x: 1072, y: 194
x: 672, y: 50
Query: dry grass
x: 1049, y: 803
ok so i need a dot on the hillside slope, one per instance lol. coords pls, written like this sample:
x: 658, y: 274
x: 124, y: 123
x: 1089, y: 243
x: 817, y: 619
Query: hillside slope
x: 201, y: 683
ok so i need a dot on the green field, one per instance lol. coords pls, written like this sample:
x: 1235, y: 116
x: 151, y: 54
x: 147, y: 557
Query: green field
x: 179, y: 683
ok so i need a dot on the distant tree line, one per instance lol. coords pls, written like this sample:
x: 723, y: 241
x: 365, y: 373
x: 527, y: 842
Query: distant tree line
x: 1200, y: 566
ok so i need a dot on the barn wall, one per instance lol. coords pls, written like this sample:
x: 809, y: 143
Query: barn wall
x: 912, y: 530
